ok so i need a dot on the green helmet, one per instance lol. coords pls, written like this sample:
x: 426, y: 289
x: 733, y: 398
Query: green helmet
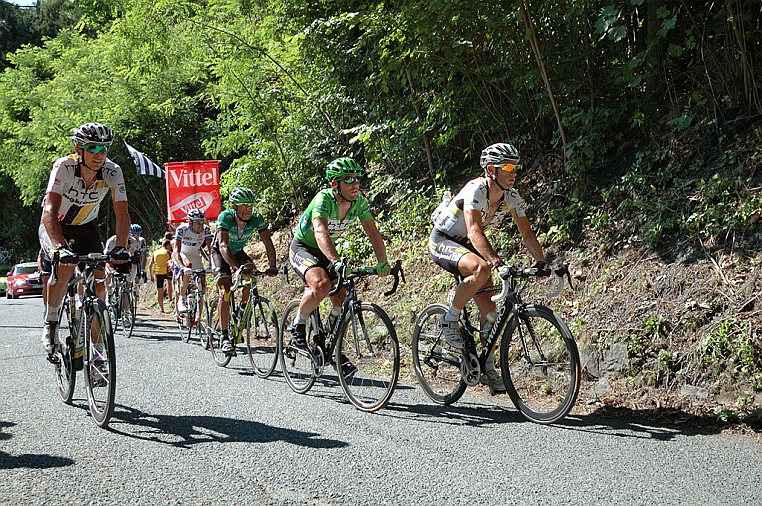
x: 242, y: 195
x: 341, y: 167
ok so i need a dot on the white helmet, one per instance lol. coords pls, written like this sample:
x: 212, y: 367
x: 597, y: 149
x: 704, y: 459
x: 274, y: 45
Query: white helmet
x: 500, y: 152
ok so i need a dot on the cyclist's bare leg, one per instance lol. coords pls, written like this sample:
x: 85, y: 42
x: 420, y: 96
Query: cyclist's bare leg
x: 223, y: 306
x: 56, y: 292
x: 476, y: 273
x: 318, y: 286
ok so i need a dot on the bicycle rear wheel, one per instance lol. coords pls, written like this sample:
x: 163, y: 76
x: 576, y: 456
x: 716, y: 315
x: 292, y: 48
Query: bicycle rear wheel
x: 100, y: 363
x: 540, y: 364
x: 114, y: 300
x: 297, y: 365
x: 65, y: 374
x: 368, y: 355
x: 437, y: 364
x: 262, y: 337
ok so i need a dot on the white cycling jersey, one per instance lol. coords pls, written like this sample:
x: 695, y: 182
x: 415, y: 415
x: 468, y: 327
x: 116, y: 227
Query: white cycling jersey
x: 191, y: 243
x: 133, y: 245
x: 448, y: 216
x: 80, y: 204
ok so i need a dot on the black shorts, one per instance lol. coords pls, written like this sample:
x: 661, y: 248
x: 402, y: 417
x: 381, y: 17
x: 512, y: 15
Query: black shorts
x: 446, y: 252
x: 82, y: 239
x: 160, y: 280
x: 303, y: 258
x: 220, y: 267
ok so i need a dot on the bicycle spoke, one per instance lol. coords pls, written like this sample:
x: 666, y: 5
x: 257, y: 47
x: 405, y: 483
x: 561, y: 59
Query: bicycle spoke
x: 262, y: 337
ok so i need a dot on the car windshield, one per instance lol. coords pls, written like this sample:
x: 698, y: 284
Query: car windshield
x: 30, y: 269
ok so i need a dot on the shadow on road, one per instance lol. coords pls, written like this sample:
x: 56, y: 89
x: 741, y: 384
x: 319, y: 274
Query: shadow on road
x: 186, y: 431
x: 28, y: 460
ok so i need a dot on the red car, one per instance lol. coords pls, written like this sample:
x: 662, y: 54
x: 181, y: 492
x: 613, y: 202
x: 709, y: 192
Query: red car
x: 23, y: 279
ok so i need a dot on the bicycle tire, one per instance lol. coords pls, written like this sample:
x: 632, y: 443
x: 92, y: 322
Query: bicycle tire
x: 203, y: 321
x: 297, y: 368
x: 113, y: 309
x: 262, y: 337
x: 369, y: 343
x: 66, y: 376
x: 100, y: 366
x: 542, y: 377
x: 215, y: 338
x: 125, y: 312
x: 188, y: 324
x: 436, y: 363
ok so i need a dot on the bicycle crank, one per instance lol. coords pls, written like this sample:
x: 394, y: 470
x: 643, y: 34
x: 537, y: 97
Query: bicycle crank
x: 470, y: 369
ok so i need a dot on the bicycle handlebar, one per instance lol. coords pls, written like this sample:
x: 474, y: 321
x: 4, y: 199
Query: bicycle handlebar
x: 396, y: 272
x: 243, y: 270
x: 518, y: 272
x: 90, y: 258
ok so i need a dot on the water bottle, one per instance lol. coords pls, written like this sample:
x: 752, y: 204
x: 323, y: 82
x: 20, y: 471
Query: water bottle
x: 446, y: 198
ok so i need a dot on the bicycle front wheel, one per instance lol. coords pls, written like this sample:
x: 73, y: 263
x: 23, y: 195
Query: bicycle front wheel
x: 127, y: 312
x: 261, y: 337
x: 368, y: 355
x: 185, y: 321
x: 214, y: 337
x: 203, y: 321
x: 540, y: 364
x: 100, y: 363
x: 65, y: 374
x: 297, y: 365
x: 437, y: 364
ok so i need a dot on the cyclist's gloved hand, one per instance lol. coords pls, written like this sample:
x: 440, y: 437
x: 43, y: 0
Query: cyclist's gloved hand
x: 120, y: 254
x: 383, y: 268
x: 340, y: 268
x: 272, y: 271
x: 542, y: 269
x: 64, y: 256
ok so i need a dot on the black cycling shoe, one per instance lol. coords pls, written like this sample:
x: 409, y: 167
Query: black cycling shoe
x: 298, y: 336
x: 347, y: 367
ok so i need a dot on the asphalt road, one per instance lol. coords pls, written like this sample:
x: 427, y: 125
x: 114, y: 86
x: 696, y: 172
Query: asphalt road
x: 188, y: 432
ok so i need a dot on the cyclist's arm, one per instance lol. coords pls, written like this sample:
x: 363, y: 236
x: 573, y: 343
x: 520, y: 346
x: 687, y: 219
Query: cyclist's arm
x: 122, y: 222
x: 476, y: 235
x: 376, y: 239
x: 323, y: 239
x: 150, y: 268
x: 224, y: 245
x: 177, y: 245
x: 264, y: 235
x: 50, y: 219
x: 530, y: 239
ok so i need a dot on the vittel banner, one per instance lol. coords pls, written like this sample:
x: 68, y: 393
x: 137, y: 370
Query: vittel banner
x: 192, y: 185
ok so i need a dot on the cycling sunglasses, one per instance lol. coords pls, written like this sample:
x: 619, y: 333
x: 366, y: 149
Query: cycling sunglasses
x: 508, y: 167
x: 95, y: 149
x: 350, y: 179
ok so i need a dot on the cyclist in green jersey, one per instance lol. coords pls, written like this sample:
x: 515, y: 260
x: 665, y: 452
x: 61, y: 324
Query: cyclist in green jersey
x: 234, y: 229
x: 313, y: 253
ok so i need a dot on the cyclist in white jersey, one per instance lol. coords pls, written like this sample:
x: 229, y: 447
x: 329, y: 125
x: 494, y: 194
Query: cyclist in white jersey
x: 458, y: 243
x: 78, y: 184
x: 140, y: 255
x: 190, y: 239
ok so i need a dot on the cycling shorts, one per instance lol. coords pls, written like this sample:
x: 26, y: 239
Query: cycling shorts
x: 446, y: 252
x: 220, y: 267
x: 303, y: 258
x: 82, y: 239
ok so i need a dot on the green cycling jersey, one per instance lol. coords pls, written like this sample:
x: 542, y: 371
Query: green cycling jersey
x: 239, y: 237
x: 324, y: 205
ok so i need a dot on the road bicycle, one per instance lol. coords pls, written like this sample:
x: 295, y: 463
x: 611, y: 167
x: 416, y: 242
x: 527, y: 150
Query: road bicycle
x: 86, y: 341
x: 362, y: 339
x: 194, y: 320
x: 123, y: 304
x: 255, y: 325
x: 539, y: 360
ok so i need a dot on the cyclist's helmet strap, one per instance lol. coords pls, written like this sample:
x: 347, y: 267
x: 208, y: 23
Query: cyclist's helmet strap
x: 340, y: 167
x: 92, y: 134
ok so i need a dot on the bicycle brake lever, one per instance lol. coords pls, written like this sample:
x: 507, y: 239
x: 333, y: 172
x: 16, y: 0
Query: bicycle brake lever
x: 396, y: 272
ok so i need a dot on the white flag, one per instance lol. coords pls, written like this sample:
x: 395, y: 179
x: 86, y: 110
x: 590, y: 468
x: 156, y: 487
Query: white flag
x: 145, y: 166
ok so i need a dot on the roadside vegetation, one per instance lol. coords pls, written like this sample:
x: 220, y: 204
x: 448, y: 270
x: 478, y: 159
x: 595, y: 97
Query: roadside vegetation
x: 640, y: 126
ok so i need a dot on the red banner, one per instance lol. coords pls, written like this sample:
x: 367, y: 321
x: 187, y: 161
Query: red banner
x: 193, y: 185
